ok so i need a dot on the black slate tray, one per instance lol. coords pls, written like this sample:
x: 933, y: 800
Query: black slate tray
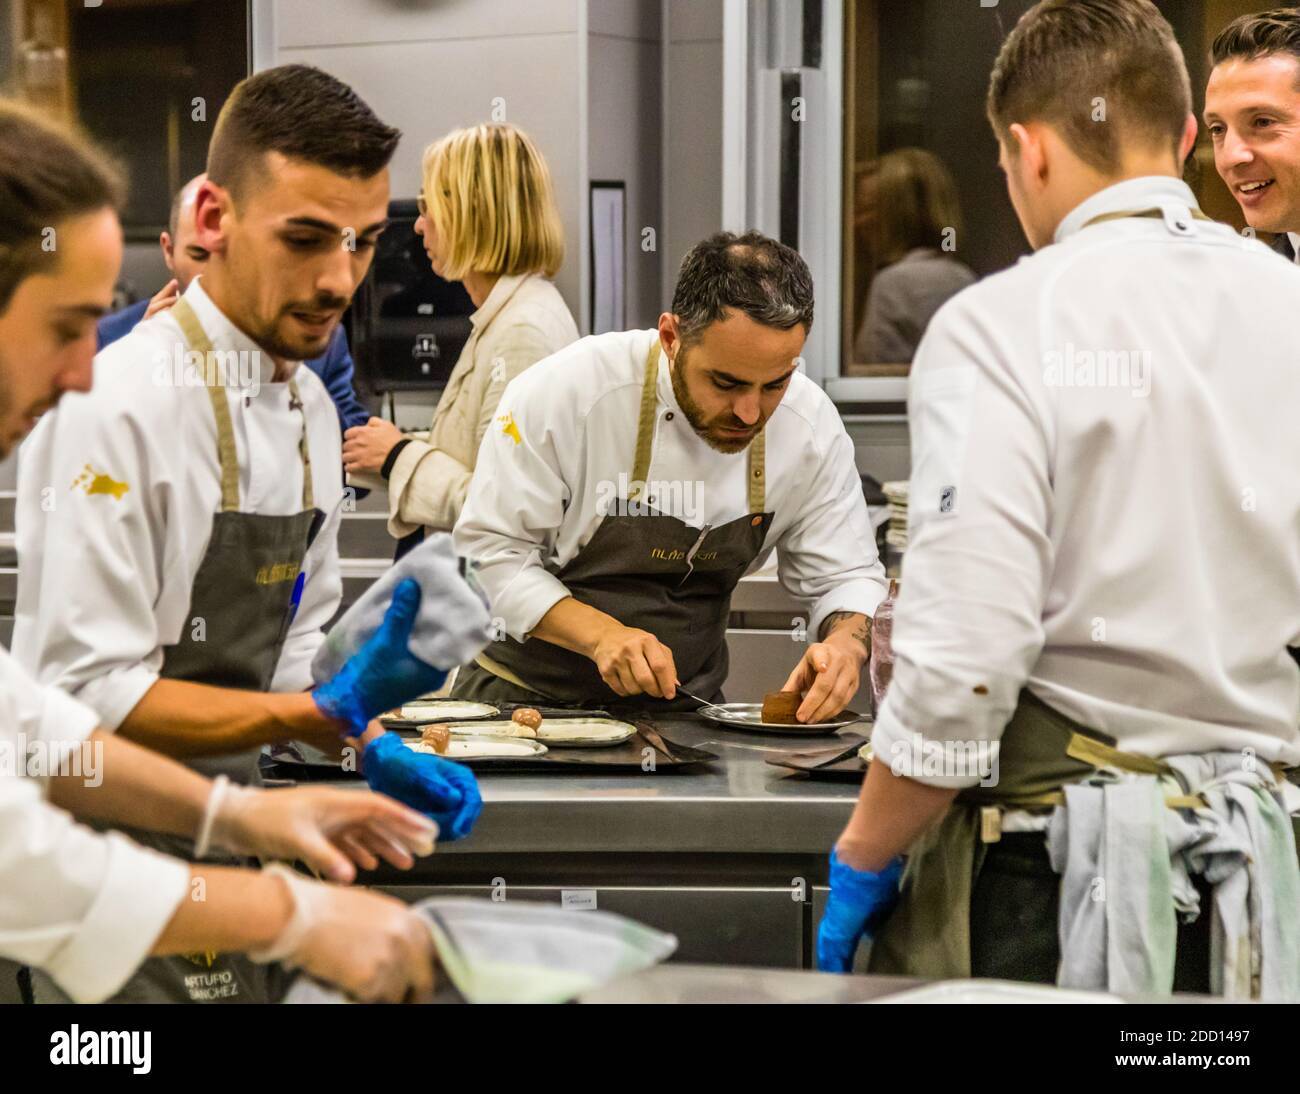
x: 840, y: 763
x: 304, y: 764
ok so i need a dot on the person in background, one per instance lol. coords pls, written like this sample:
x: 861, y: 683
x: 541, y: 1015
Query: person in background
x: 1252, y: 112
x: 908, y: 219
x: 180, y: 580
x: 185, y: 258
x: 88, y: 907
x: 488, y: 219
x: 1080, y: 665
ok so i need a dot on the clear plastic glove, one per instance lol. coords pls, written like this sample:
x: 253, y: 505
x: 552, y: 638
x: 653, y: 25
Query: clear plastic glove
x: 441, y: 789
x: 383, y: 673
x: 859, y: 902
x: 332, y: 831
x: 372, y: 946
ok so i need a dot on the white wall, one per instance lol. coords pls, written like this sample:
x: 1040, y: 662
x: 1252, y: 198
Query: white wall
x: 624, y: 88
x: 692, y: 147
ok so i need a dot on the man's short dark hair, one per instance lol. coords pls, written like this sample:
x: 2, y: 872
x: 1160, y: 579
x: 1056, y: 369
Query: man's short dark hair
x: 1263, y: 34
x: 49, y: 173
x: 1067, y: 59
x: 752, y: 274
x: 304, y: 114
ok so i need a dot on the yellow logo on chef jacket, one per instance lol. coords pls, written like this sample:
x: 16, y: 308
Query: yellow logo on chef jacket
x: 509, y: 428
x: 277, y: 572
x: 204, y: 958
x: 97, y: 482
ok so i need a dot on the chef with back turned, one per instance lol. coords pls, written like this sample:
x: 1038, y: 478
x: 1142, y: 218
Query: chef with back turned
x: 1081, y: 750
x: 630, y: 481
x: 178, y: 523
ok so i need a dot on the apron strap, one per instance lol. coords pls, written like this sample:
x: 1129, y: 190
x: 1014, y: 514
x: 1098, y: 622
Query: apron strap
x: 645, y: 435
x: 214, y: 381
x: 757, y: 464
x: 197, y: 338
x: 645, y: 429
x: 1145, y: 214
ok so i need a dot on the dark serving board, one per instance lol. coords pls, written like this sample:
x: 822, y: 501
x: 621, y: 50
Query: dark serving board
x: 305, y: 764
x: 838, y: 764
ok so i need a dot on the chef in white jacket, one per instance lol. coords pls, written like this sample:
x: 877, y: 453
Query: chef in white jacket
x: 1104, y: 568
x: 630, y: 481
x: 88, y: 907
x: 177, y: 524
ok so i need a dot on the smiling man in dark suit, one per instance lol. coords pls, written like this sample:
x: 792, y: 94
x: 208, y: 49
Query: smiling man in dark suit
x: 1252, y: 111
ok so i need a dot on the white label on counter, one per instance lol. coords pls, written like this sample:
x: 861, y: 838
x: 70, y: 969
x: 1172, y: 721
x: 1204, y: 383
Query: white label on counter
x: 578, y: 900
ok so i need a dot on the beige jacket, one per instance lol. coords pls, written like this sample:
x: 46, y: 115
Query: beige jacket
x: 523, y: 319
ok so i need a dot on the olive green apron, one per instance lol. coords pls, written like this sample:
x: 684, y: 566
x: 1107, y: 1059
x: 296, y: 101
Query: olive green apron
x: 241, y: 606
x: 647, y: 570
x: 928, y: 932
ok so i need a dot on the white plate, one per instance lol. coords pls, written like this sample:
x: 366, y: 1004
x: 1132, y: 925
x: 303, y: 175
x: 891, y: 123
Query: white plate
x: 749, y: 717
x: 559, y: 732
x: 442, y: 710
x: 484, y: 748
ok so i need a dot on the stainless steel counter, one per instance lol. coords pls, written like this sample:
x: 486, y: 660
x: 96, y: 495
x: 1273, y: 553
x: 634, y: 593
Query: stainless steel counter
x: 737, y: 804
x: 729, y: 856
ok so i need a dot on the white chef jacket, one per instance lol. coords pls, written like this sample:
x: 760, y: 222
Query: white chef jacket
x: 105, y: 578
x: 535, y: 501
x: 1294, y: 237
x: 85, y: 907
x: 1130, y: 551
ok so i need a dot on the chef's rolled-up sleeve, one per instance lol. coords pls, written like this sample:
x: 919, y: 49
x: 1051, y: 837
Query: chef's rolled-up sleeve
x: 86, y: 907
x: 968, y: 623
x: 514, y: 508
x: 91, y: 499
x: 828, y: 558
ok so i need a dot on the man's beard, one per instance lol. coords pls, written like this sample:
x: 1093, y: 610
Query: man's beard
x: 695, y: 413
x: 272, y: 341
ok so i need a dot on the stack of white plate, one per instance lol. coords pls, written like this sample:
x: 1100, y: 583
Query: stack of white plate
x: 896, y: 533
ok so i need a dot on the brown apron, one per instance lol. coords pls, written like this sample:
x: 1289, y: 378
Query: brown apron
x: 241, y: 606
x: 649, y: 571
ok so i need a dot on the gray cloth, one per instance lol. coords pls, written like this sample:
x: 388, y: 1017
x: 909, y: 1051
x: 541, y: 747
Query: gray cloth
x: 452, y: 624
x: 1126, y: 862
x: 901, y: 303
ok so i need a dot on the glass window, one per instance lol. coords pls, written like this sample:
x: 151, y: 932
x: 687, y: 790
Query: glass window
x: 925, y: 205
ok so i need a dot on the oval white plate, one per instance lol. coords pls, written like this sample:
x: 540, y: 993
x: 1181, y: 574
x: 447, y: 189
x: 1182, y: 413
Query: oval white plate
x: 442, y: 710
x: 484, y: 748
x: 559, y: 732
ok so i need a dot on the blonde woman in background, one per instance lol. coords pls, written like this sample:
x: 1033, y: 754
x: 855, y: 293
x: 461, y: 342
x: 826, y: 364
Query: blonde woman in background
x: 489, y: 220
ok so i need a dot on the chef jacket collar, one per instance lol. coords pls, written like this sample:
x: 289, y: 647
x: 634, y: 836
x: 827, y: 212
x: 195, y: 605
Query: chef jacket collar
x: 1148, y: 192
x: 1294, y: 237
x: 224, y: 335
x: 502, y: 291
x: 667, y: 397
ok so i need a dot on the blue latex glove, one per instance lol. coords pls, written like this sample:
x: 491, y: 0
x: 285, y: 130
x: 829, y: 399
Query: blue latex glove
x: 383, y: 673
x: 859, y: 902
x: 438, y: 788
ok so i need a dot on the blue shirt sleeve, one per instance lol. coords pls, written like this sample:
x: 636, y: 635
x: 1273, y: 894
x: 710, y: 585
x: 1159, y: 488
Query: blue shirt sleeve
x: 112, y: 327
x: 335, y: 369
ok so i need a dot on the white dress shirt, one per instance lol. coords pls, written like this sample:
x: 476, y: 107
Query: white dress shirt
x: 85, y: 907
x: 565, y: 432
x: 1129, y: 550
x: 105, y: 578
